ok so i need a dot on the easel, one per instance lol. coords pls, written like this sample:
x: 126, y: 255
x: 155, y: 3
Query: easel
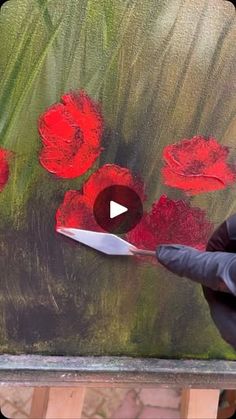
x: 57, y: 402
x: 60, y: 382
x: 67, y: 403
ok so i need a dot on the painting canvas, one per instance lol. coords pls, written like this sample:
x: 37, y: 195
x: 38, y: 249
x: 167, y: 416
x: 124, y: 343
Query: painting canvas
x: 95, y: 93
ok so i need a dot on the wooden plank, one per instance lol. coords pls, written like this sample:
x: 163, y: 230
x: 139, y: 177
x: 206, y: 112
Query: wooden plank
x: 199, y: 403
x: 57, y: 402
x: 39, y: 402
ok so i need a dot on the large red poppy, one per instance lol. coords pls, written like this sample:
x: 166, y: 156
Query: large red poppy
x: 77, y: 207
x: 4, y: 167
x: 197, y: 165
x: 171, y: 221
x: 71, y: 135
x: 108, y: 175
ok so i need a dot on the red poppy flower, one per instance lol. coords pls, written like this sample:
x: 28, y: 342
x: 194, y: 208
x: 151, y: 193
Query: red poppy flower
x: 74, y: 212
x: 71, y: 135
x: 77, y: 207
x: 197, y: 165
x: 4, y: 167
x: 108, y: 175
x: 171, y: 221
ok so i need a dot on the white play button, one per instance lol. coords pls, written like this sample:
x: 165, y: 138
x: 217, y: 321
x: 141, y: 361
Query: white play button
x: 116, y: 209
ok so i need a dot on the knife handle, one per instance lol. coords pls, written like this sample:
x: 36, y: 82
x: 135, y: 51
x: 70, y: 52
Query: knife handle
x: 141, y: 252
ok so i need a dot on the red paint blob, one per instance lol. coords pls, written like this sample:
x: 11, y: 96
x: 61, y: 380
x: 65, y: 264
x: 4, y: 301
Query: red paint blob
x: 171, y: 221
x: 197, y: 165
x: 4, y: 167
x: 74, y: 212
x: 108, y: 175
x: 77, y: 207
x: 71, y: 135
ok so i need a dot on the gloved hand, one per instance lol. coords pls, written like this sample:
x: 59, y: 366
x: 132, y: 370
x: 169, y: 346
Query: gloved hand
x: 215, y: 271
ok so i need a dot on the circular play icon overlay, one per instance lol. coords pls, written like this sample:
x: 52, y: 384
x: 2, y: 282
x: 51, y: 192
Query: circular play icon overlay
x: 118, y: 209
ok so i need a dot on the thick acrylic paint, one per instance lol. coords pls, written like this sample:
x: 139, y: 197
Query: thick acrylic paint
x: 197, y: 165
x: 77, y: 207
x: 4, y: 167
x: 171, y: 221
x: 71, y: 134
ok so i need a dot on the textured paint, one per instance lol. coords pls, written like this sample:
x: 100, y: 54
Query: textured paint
x: 171, y: 221
x: 75, y: 212
x: 77, y: 207
x: 161, y: 71
x: 197, y: 165
x: 4, y: 167
x: 71, y: 133
x: 108, y: 175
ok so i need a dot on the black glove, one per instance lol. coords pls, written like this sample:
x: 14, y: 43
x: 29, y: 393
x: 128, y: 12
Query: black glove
x: 215, y: 271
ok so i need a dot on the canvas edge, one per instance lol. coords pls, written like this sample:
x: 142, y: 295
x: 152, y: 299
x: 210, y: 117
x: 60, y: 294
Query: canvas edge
x: 37, y: 370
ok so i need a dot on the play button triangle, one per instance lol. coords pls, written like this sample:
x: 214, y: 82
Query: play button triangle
x: 116, y: 209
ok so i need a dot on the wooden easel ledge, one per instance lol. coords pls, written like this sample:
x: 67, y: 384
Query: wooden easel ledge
x: 28, y: 370
x: 60, y: 382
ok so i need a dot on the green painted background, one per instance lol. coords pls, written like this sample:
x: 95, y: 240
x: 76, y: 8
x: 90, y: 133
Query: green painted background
x: 163, y: 70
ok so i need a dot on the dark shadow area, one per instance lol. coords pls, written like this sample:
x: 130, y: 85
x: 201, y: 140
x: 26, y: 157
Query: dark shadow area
x: 1, y: 3
x: 233, y: 2
x: 2, y: 416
